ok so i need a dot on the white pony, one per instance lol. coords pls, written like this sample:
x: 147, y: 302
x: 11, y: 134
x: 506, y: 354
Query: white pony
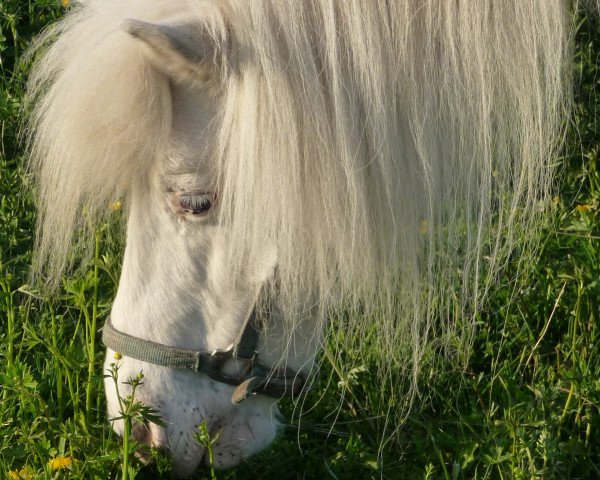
x: 293, y: 158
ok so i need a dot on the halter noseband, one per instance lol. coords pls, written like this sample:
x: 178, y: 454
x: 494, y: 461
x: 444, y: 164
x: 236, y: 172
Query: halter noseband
x: 253, y: 378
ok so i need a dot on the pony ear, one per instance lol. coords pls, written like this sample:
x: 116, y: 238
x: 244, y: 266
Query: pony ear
x: 186, y: 52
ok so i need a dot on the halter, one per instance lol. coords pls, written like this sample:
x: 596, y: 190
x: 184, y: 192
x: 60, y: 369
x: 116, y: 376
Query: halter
x: 252, y: 378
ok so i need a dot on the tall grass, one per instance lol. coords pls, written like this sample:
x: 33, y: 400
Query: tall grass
x: 527, y: 405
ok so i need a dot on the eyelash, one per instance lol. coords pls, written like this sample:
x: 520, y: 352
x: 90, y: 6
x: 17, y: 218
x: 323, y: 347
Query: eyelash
x: 196, y: 204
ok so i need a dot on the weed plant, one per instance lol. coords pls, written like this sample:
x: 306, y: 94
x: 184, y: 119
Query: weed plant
x: 525, y: 407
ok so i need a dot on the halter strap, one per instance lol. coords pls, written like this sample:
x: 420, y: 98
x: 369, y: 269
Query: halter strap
x: 254, y: 377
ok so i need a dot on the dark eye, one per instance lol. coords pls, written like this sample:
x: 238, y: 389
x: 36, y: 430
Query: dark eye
x: 195, y: 203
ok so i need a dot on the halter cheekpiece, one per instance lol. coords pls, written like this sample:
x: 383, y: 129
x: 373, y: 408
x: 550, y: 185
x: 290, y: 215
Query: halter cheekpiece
x: 252, y: 377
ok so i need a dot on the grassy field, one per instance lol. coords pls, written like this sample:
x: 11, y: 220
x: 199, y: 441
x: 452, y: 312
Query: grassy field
x: 527, y: 406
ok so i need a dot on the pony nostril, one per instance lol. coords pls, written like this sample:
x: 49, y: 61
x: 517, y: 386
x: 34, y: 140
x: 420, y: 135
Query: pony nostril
x: 151, y: 438
x: 142, y: 433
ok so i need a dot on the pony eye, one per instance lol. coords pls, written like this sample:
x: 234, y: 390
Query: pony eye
x: 195, y: 203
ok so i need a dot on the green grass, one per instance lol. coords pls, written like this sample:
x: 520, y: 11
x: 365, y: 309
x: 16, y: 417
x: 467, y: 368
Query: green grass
x: 527, y: 405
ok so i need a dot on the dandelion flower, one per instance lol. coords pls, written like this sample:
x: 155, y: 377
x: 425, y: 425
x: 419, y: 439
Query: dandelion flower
x: 65, y: 3
x: 60, y: 462
x: 116, y: 205
x: 23, y: 474
x: 117, y: 356
x: 583, y: 207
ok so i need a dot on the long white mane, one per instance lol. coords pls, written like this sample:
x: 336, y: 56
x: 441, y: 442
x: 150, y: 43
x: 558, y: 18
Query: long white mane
x: 394, y: 152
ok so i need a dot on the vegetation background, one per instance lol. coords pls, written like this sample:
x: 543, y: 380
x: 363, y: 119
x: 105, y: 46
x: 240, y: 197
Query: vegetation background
x: 526, y: 406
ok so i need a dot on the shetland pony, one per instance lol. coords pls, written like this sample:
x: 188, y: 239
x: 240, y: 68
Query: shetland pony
x: 286, y: 159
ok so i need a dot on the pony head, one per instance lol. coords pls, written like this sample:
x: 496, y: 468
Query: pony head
x: 291, y: 159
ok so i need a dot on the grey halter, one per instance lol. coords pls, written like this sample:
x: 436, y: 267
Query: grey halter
x: 253, y: 378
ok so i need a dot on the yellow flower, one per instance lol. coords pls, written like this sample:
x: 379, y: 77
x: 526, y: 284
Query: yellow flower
x: 556, y: 198
x: 424, y: 227
x: 117, y: 356
x: 116, y: 205
x: 65, y: 3
x: 581, y: 208
x: 60, y: 462
x: 23, y: 474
